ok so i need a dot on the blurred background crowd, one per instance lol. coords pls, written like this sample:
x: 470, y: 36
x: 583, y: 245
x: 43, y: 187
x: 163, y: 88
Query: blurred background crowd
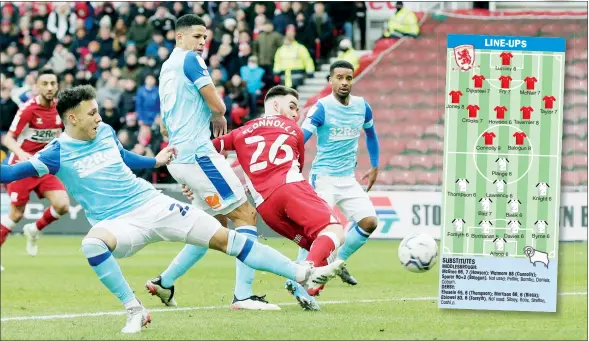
x: 120, y: 47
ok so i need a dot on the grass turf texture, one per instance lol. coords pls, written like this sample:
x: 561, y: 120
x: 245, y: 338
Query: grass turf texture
x: 401, y: 305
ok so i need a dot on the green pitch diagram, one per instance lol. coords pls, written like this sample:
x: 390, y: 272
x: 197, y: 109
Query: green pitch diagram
x: 502, y: 161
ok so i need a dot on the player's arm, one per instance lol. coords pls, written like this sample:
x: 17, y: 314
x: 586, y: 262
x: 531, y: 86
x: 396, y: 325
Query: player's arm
x: 44, y: 162
x: 301, y: 144
x: 315, y: 119
x: 371, y: 137
x: 225, y: 142
x: 372, y: 146
x: 163, y: 129
x: 22, y: 118
x: 136, y: 161
x: 196, y: 71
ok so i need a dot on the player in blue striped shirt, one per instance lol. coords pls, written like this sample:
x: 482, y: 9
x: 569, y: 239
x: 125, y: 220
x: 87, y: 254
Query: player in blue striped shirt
x: 338, y: 120
x: 127, y: 213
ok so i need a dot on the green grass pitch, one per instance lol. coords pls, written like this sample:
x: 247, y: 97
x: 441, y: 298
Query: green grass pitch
x: 389, y: 303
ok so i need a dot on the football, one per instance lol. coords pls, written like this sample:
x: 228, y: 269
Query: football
x: 418, y: 252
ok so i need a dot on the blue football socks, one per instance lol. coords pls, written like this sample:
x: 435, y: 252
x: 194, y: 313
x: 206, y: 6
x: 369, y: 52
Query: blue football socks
x: 262, y: 257
x: 107, y: 269
x: 355, y: 238
x: 244, y: 276
x: 189, y: 255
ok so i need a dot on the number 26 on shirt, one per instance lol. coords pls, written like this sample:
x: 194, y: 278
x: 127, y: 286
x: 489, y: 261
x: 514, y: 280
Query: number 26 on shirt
x: 272, y: 153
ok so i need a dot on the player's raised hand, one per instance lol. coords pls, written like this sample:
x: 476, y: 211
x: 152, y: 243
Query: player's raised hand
x: 371, y: 176
x: 165, y: 156
x: 187, y: 192
x: 219, y: 125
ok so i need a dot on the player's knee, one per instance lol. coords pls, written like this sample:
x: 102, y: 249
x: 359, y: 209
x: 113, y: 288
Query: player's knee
x: 62, y: 208
x: 335, y: 232
x: 368, y: 224
x: 244, y: 214
x: 96, y: 250
x: 16, y: 214
x: 220, y: 240
x: 105, y: 235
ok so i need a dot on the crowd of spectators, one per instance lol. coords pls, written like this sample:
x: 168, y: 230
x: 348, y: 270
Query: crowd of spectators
x: 120, y: 47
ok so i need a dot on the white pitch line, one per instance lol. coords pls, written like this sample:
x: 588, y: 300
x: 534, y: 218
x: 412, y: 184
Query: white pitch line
x: 163, y: 310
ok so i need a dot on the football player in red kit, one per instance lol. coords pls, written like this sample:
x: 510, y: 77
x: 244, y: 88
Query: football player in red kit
x: 271, y: 152
x: 34, y: 126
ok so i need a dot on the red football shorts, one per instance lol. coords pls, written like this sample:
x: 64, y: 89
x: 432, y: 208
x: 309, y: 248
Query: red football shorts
x: 19, y: 190
x: 296, y: 212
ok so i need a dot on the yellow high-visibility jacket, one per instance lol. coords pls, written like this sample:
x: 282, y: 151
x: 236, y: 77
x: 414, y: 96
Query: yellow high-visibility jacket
x: 404, y: 21
x: 293, y: 57
x: 350, y: 56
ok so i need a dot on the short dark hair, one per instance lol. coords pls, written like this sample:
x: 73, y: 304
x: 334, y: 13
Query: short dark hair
x: 280, y: 90
x: 69, y: 99
x: 340, y: 64
x: 47, y: 72
x: 189, y: 20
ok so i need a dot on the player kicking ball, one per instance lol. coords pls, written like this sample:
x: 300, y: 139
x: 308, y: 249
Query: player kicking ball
x: 271, y: 151
x: 128, y: 213
x: 35, y: 124
x: 189, y: 104
x: 338, y: 120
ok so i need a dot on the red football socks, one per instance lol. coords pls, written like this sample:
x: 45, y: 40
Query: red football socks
x: 322, y: 247
x: 48, y: 217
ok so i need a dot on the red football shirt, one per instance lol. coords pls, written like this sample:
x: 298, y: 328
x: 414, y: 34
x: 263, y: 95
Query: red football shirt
x: 478, y: 81
x: 455, y: 96
x: 489, y: 136
x: 34, y: 126
x: 506, y: 58
x: 472, y: 110
x: 530, y: 82
x: 519, y: 137
x: 505, y: 81
x: 548, y: 102
x: 527, y: 112
x: 271, y: 151
x: 500, y: 112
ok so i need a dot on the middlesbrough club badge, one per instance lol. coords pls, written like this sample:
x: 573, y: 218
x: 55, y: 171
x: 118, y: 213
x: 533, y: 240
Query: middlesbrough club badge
x: 464, y: 56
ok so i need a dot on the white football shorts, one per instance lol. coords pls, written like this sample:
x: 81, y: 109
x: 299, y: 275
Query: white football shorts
x: 217, y: 189
x: 346, y: 192
x: 161, y: 219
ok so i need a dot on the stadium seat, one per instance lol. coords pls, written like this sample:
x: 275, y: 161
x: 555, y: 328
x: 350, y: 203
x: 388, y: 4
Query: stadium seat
x: 404, y: 178
x: 383, y: 44
x: 399, y: 162
x: 417, y: 146
x: 435, y: 146
x: 579, y: 161
x: 568, y: 163
x: 423, y: 162
x: 434, y: 131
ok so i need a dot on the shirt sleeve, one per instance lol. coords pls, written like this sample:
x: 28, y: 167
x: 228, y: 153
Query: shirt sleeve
x: 224, y: 142
x: 46, y: 161
x: 195, y: 69
x: 368, y: 122
x: 315, y: 118
x: 20, y: 121
x: 132, y: 160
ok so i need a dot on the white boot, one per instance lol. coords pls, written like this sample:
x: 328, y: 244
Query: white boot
x: 137, y: 317
x: 32, y: 233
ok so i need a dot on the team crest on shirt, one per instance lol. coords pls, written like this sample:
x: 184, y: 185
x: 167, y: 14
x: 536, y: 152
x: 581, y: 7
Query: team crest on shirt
x: 39, y: 120
x: 464, y: 56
